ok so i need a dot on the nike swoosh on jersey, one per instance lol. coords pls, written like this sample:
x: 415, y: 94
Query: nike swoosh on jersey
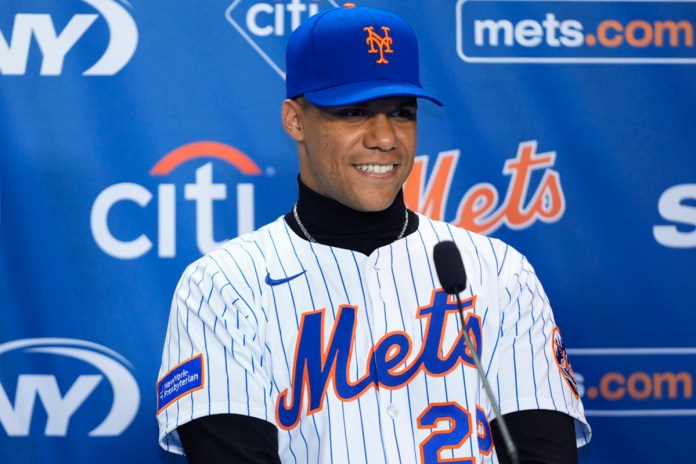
x: 274, y: 282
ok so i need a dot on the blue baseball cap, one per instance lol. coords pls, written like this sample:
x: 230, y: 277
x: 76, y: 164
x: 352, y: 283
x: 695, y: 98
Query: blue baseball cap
x: 350, y: 55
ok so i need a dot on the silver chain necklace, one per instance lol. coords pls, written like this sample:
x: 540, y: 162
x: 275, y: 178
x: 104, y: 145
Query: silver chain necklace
x: 313, y: 240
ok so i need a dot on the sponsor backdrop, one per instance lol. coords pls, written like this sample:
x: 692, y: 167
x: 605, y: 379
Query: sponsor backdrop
x: 135, y: 136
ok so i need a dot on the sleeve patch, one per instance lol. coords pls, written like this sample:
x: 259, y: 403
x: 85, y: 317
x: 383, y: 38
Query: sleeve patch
x: 182, y: 380
x: 563, y: 362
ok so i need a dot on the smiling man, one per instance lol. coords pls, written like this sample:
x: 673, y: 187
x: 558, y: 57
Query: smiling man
x: 358, y: 155
x: 325, y: 336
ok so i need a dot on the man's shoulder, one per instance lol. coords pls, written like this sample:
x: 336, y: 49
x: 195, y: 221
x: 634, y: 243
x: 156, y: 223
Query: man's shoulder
x: 433, y: 231
x: 249, y: 246
x: 273, y: 229
x: 446, y: 231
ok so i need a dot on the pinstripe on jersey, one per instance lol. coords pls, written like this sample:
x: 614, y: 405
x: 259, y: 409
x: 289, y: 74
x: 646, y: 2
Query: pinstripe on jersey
x: 383, y: 344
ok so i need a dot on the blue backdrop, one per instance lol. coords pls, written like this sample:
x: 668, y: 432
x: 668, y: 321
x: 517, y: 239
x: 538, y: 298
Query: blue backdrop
x: 136, y: 136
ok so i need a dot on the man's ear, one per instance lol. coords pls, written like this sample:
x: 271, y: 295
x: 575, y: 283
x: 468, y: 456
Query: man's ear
x: 292, y: 119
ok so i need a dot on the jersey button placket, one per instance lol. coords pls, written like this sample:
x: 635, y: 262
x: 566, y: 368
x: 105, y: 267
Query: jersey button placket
x: 380, y: 326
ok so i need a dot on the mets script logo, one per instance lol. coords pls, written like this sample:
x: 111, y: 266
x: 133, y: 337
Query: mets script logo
x: 534, y: 192
x: 379, y: 44
x: 317, y: 366
x: 563, y: 362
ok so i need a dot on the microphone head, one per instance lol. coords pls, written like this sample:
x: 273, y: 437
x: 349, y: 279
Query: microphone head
x: 449, y: 267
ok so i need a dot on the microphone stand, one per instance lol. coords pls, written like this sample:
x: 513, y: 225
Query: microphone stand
x: 509, y: 444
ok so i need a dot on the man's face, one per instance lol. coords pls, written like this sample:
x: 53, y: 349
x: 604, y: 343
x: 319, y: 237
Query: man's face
x: 358, y: 155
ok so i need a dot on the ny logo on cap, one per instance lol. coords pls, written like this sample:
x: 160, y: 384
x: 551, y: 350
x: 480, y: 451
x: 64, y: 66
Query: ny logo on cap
x: 383, y: 43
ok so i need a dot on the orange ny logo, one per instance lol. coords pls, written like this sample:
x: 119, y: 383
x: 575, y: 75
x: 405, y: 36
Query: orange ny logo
x: 383, y: 44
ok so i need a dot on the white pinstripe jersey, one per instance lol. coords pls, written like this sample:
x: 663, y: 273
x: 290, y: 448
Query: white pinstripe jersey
x: 360, y: 359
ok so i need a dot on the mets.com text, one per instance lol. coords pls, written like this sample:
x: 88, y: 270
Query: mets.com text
x: 582, y: 31
x: 570, y: 33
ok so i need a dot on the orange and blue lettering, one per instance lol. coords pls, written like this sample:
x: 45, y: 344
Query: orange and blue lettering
x: 317, y: 363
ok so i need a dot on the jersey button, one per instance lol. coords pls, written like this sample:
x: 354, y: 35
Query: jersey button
x: 392, y: 410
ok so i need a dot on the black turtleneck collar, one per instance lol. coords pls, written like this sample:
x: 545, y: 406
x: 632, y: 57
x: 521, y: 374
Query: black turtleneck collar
x: 332, y: 223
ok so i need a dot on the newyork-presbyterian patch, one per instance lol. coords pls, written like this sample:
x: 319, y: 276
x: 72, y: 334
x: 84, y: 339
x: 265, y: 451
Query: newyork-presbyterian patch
x: 182, y: 380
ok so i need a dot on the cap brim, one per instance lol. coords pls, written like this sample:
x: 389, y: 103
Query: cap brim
x: 359, y: 92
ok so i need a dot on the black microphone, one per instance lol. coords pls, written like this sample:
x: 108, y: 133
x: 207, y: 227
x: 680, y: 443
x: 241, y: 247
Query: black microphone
x: 449, y: 267
x: 450, y: 271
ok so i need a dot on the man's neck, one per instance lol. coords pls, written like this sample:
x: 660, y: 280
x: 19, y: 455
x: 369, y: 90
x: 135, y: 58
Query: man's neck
x: 332, y: 223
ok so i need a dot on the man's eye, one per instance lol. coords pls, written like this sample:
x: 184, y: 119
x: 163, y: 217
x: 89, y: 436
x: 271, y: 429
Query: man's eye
x: 351, y: 113
x: 405, y: 113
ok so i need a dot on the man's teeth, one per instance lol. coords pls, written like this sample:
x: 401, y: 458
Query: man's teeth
x: 375, y: 168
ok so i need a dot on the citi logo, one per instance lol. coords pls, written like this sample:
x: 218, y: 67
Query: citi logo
x: 16, y: 416
x: 203, y: 192
x: 266, y: 25
x: 54, y: 45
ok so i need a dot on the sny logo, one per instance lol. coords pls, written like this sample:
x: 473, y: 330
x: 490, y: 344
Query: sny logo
x: 15, y: 44
x: 676, y: 206
x: 60, y: 408
x: 383, y: 43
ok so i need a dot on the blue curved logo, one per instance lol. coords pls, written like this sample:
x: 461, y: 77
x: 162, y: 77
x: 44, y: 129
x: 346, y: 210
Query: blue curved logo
x: 16, y: 417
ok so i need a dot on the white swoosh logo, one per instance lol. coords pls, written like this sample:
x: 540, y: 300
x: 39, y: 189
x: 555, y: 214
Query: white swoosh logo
x: 111, y: 364
x: 123, y: 40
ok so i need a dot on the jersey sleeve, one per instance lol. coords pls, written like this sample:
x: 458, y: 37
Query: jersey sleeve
x: 213, y: 360
x: 533, y: 368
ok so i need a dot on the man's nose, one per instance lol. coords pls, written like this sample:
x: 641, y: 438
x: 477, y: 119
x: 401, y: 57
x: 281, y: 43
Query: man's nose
x: 380, y: 133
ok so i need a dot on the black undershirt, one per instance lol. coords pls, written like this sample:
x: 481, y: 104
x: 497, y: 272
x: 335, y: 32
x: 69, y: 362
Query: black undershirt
x: 332, y: 223
x: 541, y: 436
